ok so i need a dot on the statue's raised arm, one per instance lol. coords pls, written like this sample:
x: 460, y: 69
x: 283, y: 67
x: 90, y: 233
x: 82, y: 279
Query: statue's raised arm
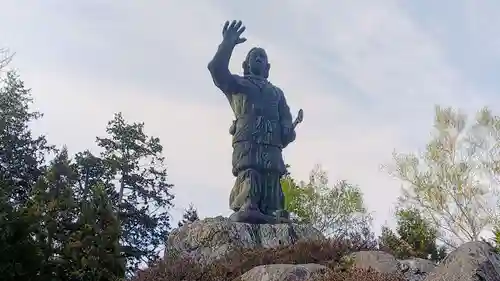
x: 219, y: 65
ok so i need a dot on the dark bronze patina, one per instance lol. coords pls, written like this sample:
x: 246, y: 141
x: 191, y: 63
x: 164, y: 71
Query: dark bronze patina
x: 263, y: 126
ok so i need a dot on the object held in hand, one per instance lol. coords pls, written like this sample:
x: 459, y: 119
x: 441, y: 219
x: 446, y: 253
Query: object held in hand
x: 299, y: 119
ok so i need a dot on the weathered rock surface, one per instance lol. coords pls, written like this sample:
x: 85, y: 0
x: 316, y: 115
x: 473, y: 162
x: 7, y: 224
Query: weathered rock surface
x: 284, y: 272
x: 416, y: 269
x: 377, y: 260
x: 210, y: 239
x: 473, y: 261
x: 411, y: 269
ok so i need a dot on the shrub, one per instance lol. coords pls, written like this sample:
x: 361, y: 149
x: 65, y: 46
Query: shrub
x: 237, y: 262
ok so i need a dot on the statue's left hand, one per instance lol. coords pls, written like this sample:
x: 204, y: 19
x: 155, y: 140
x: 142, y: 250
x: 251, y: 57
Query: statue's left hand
x: 300, y: 116
x: 299, y: 119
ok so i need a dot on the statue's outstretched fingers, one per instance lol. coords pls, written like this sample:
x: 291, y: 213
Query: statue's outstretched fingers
x: 238, y: 25
x: 241, y: 30
x: 233, y: 23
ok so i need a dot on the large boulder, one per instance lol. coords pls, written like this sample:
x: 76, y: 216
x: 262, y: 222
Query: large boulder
x: 473, y: 261
x: 376, y: 260
x: 285, y: 272
x: 414, y: 269
x: 210, y: 239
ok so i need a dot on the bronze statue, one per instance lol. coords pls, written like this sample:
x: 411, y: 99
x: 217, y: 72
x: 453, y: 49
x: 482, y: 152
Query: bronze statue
x: 263, y: 126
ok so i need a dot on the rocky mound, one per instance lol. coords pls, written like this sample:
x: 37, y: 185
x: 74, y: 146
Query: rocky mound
x: 208, y: 240
x: 219, y: 249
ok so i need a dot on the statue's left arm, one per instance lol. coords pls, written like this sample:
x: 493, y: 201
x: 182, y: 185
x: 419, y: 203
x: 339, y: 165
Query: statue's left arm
x: 287, y: 129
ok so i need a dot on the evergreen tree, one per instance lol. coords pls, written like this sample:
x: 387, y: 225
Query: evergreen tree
x: 415, y: 237
x: 21, y: 157
x: 391, y: 243
x: 79, y: 239
x: 94, y: 247
x: 21, y: 153
x: 419, y: 234
x: 44, y: 213
x: 190, y: 215
x: 144, y: 196
x: 53, y: 203
x: 93, y: 171
x: 21, y: 258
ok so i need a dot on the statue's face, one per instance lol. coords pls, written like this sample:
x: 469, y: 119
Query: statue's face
x: 258, y: 62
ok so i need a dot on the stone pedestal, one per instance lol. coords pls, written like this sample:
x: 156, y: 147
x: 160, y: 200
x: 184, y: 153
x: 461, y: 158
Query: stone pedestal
x: 210, y: 239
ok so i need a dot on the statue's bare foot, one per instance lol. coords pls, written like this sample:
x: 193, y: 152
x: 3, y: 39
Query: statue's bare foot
x: 249, y: 213
x: 251, y: 216
x: 282, y: 216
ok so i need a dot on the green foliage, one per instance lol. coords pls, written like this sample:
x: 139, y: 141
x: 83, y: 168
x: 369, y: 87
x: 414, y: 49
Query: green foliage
x: 53, y: 204
x: 21, y: 154
x: 17, y: 225
x: 391, y: 243
x: 94, y: 247
x: 21, y: 163
x: 190, y: 215
x: 79, y: 240
x: 49, y: 228
x: 135, y: 161
x: 295, y: 198
x: 336, y: 211
x: 496, y: 238
x: 417, y: 232
x: 453, y: 182
x: 415, y: 237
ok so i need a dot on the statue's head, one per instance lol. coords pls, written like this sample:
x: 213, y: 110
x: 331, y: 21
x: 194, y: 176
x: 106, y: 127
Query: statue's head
x: 256, y: 63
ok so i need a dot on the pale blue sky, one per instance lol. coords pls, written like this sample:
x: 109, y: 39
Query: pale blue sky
x: 366, y: 73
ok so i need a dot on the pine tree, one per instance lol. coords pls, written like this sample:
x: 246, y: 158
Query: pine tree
x: 144, y: 196
x: 21, y: 159
x: 53, y: 203
x: 44, y: 214
x: 391, y: 243
x: 190, y: 215
x: 22, y: 258
x: 78, y: 236
x: 93, y: 171
x: 417, y: 232
x: 21, y: 154
x: 94, y: 247
x: 414, y: 238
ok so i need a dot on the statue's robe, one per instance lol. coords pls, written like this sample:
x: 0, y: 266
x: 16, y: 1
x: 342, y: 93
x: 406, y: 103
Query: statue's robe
x: 262, y: 128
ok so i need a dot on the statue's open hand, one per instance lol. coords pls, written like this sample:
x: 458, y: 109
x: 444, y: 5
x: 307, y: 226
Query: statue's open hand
x: 232, y: 32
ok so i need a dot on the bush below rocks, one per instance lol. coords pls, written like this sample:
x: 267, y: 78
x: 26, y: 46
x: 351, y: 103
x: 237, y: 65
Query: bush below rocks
x: 329, y: 253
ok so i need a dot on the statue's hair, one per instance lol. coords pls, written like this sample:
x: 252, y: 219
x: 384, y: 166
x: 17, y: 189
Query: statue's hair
x: 246, y: 65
